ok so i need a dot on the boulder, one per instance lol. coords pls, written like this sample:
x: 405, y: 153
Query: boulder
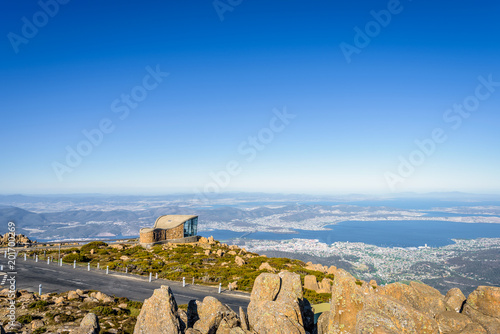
x: 452, y: 322
x: 426, y: 299
x: 212, y: 314
x: 37, y: 323
x: 101, y: 297
x: 325, y: 286
x: 473, y: 328
x: 220, y: 253
x: 332, y: 270
x: 159, y: 314
x: 347, y: 301
x: 232, y: 286
x: 89, y: 325
x: 455, y: 299
x: 389, y: 315
x: 491, y: 324
x: 192, y: 331
x: 420, y: 296
x: 267, y: 266
x: 311, y: 283
x: 485, y: 299
x: 316, y: 267
x: 203, y: 240
x: 244, y: 319
x: 265, y: 287
x: 239, y: 261
x: 183, y: 319
x: 72, y: 295
x: 276, y: 304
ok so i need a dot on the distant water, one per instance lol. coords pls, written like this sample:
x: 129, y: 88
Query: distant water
x: 381, y: 233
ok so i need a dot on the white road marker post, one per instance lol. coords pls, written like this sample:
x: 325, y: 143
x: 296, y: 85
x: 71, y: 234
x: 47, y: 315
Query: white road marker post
x: 184, y: 282
x: 74, y: 264
x: 40, y: 290
x: 88, y: 266
x: 220, y: 287
x: 150, y: 275
x: 107, y: 270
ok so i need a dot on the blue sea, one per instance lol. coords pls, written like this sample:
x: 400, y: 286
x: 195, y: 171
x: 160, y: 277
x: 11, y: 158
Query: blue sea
x: 411, y: 233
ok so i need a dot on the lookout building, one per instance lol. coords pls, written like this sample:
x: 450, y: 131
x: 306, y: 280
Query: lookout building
x: 170, y: 228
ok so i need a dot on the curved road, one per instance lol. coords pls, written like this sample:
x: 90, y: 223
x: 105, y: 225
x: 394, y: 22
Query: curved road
x: 60, y: 279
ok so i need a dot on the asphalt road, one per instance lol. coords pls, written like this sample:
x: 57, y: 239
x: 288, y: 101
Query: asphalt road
x: 60, y: 279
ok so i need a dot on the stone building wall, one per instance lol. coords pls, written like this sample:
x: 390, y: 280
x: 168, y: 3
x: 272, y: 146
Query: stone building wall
x: 158, y: 235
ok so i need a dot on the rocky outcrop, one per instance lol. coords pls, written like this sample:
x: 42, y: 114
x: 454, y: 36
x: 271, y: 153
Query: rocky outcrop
x: 347, y: 300
x: 325, y: 286
x: 267, y: 266
x: 159, y: 314
x: 215, y: 317
x: 452, y: 322
x: 389, y: 314
x: 311, y: 283
x: 415, y: 308
x: 277, y: 305
x: 483, y: 307
x: 19, y: 239
x: 420, y: 296
x: 239, y: 261
x: 455, y: 299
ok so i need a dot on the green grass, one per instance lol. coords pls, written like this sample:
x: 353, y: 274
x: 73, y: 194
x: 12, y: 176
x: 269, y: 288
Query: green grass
x: 189, y: 260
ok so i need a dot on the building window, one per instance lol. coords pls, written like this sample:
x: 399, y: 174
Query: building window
x: 191, y: 227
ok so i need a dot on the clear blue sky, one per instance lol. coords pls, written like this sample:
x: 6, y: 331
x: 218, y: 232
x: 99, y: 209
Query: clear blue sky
x: 353, y: 119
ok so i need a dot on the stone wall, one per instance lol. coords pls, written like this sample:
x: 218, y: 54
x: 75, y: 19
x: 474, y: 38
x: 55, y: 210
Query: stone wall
x: 160, y: 235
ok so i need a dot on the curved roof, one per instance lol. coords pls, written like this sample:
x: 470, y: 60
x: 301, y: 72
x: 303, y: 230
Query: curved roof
x: 171, y: 221
x: 167, y: 222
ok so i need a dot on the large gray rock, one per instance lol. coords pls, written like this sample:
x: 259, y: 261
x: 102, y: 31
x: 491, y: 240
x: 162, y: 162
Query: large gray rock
x: 276, y: 304
x: 347, y: 301
x: 455, y: 299
x: 391, y: 315
x: 212, y: 315
x: 159, y: 314
x: 89, y: 325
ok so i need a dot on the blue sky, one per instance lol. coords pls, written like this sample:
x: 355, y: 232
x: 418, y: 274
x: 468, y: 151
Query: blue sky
x: 354, y: 121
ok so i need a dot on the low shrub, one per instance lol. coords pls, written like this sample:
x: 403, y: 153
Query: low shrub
x: 70, y: 258
x: 25, y: 319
